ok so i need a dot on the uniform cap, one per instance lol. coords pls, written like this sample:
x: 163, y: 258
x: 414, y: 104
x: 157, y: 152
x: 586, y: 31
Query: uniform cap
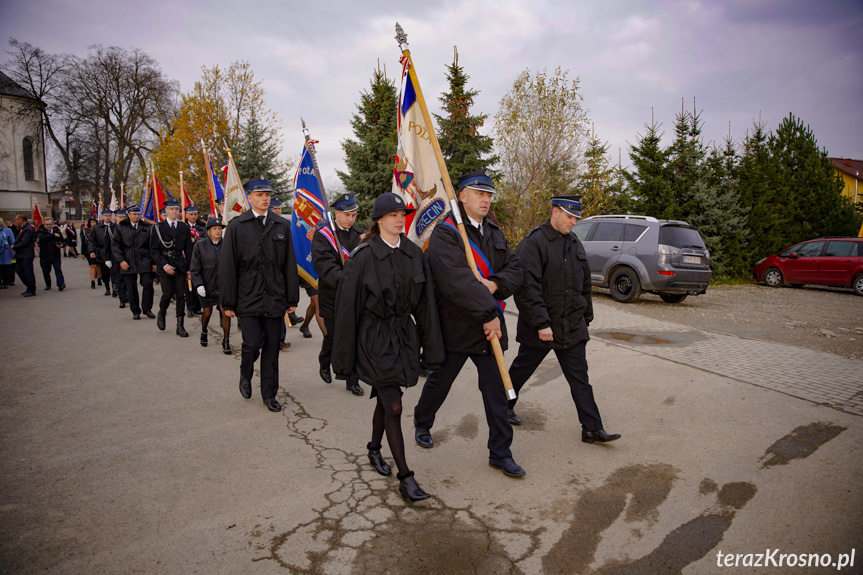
x: 172, y: 204
x: 276, y: 203
x: 133, y: 210
x: 107, y: 211
x: 258, y: 184
x: 213, y: 222
x: 191, y: 208
x: 389, y: 202
x: 478, y: 180
x: 120, y: 212
x: 569, y: 204
x: 345, y: 203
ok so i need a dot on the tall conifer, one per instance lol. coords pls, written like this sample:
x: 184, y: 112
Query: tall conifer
x: 648, y: 179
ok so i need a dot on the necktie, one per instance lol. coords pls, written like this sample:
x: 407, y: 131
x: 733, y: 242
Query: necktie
x: 261, y: 220
x: 173, y: 226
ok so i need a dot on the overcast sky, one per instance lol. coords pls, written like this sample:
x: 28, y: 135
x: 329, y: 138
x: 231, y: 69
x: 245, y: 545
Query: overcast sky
x: 738, y: 59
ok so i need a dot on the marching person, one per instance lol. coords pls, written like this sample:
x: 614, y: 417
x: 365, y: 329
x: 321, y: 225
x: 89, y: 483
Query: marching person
x: 171, y: 252
x: 71, y: 239
x: 258, y: 283
x: 205, y: 278
x: 276, y: 207
x: 116, y: 272
x: 385, y: 283
x: 554, y: 310
x: 131, y: 251
x: 193, y: 305
x: 25, y: 251
x: 7, y: 270
x: 98, y: 247
x: 329, y: 267
x: 86, y: 233
x: 51, y: 242
x: 471, y: 314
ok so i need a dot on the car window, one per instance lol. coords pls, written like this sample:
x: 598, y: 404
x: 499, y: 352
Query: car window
x: 841, y: 249
x: 633, y: 232
x: 581, y: 229
x: 608, y: 232
x: 789, y: 251
x: 809, y: 249
x: 680, y: 237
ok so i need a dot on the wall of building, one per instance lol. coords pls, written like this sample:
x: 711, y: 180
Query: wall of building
x: 16, y: 191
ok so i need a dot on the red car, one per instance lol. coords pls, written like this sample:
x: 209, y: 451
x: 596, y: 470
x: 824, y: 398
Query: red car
x: 822, y: 261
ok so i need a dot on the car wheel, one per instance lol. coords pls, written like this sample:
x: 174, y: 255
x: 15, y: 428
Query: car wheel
x: 673, y: 297
x: 857, y: 284
x: 624, y: 285
x: 773, y: 277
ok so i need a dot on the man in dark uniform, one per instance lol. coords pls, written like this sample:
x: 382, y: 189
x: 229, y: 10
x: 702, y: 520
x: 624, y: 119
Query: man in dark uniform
x: 328, y: 265
x: 116, y: 273
x: 193, y: 304
x: 554, y: 310
x: 25, y: 251
x: 471, y: 313
x: 50, y: 239
x: 276, y: 206
x: 131, y: 249
x: 171, y: 252
x: 258, y: 282
x: 99, y: 248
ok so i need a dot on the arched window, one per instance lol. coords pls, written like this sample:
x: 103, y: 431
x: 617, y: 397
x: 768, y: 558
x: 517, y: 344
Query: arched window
x: 28, y: 159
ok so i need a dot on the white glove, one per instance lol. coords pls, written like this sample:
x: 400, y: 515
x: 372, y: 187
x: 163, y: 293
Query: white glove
x: 202, y: 291
x: 108, y: 264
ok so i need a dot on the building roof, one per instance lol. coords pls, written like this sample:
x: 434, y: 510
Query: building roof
x: 848, y: 166
x: 8, y: 87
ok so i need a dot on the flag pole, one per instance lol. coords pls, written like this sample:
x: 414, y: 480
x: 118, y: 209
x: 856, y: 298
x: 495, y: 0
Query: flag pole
x: 182, y: 197
x: 402, y: 39
x: 310, y: 146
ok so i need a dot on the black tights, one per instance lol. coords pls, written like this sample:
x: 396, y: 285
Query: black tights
x: 388, y: 416
x: 205, y: 320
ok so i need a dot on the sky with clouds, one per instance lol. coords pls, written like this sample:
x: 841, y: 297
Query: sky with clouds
x: 739, y: 59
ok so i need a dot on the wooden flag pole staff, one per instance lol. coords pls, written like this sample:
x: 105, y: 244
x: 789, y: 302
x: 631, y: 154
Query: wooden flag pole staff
x: 402, y: 39
x: 310, y: 146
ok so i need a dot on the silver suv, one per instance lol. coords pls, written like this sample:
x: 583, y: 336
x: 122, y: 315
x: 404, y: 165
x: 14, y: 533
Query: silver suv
x: 631, y: 254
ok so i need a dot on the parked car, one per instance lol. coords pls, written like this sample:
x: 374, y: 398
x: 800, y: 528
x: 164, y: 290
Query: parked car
x: 632, y: 254
x: 823, y: 261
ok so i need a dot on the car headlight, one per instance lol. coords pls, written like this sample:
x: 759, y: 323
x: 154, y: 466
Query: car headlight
x: 758, y: 263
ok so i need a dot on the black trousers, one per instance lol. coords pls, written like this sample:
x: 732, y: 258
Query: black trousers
x: 261, y: 339
x: 326, y: 354
x: 118, y: 283
x: 192, y: 301
x: 106, y: 276
x: 174, y: 285
x: 573, y: 362
x: 46, y: 266
x: 7, y: 274
x: 24, y: 269
x: 130, y: 282
x: 494, y: 400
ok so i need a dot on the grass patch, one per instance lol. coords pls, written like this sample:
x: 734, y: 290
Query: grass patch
x: 731, y: 281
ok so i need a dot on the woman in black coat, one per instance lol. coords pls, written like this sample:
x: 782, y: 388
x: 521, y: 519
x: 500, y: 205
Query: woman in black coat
x: 385, y: 283
x: 95, y: 269
x: 205, y: 280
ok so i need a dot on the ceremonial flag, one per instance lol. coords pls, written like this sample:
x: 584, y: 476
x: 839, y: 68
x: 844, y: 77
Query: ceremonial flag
x: 161, y: 194
x: 37, y: 216
x: 236, y: 201
x: 149, y: 212
x: 93, y: 210
x: 214, y: 185
x: 310, y: 209
x: 113, y: 205
x: 187, y: 201
x: 417, y: 177
x: 99, y: 211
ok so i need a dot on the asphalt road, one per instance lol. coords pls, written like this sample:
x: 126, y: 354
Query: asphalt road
x: 129, y: 450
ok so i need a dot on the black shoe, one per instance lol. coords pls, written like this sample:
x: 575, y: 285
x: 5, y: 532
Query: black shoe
x: 245, y: 387
x: 423, y: 437
x: 203, y: 339
x: 115, y: 294
x: 409, y: 489
x: 47, y: 288
x: 160, y: 320
x: 272, y: 404
x: 325, y: 374
x: 99, y: 281
x: 295, y: 319
x: 122, y: 305
x: 512, y: 417
x: 136, y: 316
x: 226, y: 346
x: 181, y: 331
x: 61, y: 287
x: 199, y: 312
x: 92, y: 285
x: 284, y: 345
x: 305, y: 331
x: 507, y: 465
x: 599, y: 436
x: 355, y: 388
x: 107, y: 292
x: 149, y: 314
x: 28, y: 293
x: 378, y: 462
x: 190, y: 313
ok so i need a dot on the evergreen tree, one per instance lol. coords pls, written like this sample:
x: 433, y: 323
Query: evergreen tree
x: 686, y: 157
x: 462, y: 145
x: 597, y: 180
x: 370, y: 156
x: 648, y: 180
x: 258, y: 155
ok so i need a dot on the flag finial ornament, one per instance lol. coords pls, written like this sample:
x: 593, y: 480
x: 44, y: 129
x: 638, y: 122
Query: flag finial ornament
x: 401, y: 37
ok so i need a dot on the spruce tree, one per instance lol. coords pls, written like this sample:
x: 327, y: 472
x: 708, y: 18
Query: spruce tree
x: 596, y: 183
x: 686, y: 156
x: 258, y: 155
x: 370, y: 156
x: 648, y: 179
x: 462, y: 145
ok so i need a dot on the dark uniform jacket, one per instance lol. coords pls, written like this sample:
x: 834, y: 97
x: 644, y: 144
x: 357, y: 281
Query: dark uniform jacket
x: 25, y: 242
x: 71, y: 235
x: 380, y: 289
x: 258, y: 268
x: 133, y: 246
x: 465, y: 304
x: 328, y: 266
x: 556, y: 291
x: 99, y: 242
x: 48, y: 240
x: 175, y: 251
x: 205, y: 265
